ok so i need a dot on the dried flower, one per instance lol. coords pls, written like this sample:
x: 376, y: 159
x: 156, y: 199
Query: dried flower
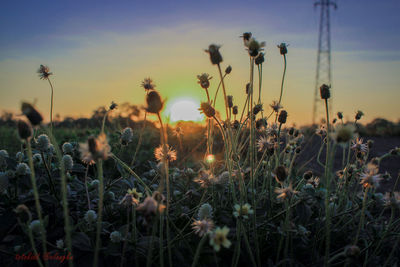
x: 280, y: 173
x: 257, y: 108
x: 254, y: 47
x: 60, y: 244
x: 220, y: 238
x: 370, y: 177
x: 229, y: 99
x: 243, y: 211
x: 358, y: 145
x: 115, y: 237
x: 44, y: 72
x: 321, y: 131
x: 263, y: 143
x: 204, y: 80
x: 228, y: 69
x: 205, y: 211
x: 343, y: 133
x: 148, y: 84
x: 150, y: 206
x: 126, y: 136
x: 359, y: 114
x: 90, y: 216
x: 340, y: 115
x: 207, y: 109
x: 259, y: 59
x: 168, y: 155
x: 31, y: 113
x: 282, y: 116
x: 43, y: 143
x: 203, y: 227
x: 215, y: 55
x: 246, y: 38
x: 154, y: 102
x: 205, y: 178
x: 325, y: 91
x: 276, y: 106
x: 96, y: 148
x: 314, y: 181
x: 235, y: 110
x: 283, y: 48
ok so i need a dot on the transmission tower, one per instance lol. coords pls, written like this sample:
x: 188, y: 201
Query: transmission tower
x: 323, y: 74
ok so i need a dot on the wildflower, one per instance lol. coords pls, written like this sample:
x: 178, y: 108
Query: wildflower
x: 262, y: 143
x: 60, y: 244
x: 282, y: 117
x: 257, y: 108
x: 67, y: 148
x: 150, y: 206
x: 285, y: 192
x: 113, y: 106
x: 229, y: 99
x: 44, y: 72
x: 204, y: 80
x: 19, y: 156
x: 228, y: 69
x: 35, y: 226
x: 132, y: 197
x: 68, y: 162
x: 358, y: 145
x: 219, y: 238
x: 243, y: 210
x: 340, y: 115
x: 254, y: 47
x: 283, y: 48
x: 280, y: 174
x: 168, y: 155
x: 43, y: 143
x: 126, y: 136
x: 22, y: 169
x: 205, y: 211
x: 203, y: 227
x: 31, y: 113
x: 215, y: 55
x: 96, y: 148
x: 359, y: 114
x: 154, y: 102
x: 259, y: 59
x: 207, y: 109
x: 115, y: 237
x: 148, y: 84
x: 325, y: 91
x: 370, y: 177
x: 24, y: 130
x: 343, y: 133
x: 276, y: 106
x: 90, y: 216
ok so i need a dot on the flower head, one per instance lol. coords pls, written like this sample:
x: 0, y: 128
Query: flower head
x: 160, y: 154
x: 343, y: 133
x: 205, y: 178
x: 276, y: 106
x: 152, y: 204
x: 254, y: 47
x: 285, y: 192
x: 44, y: 72
x: 207, y: 109
x: 31, y: 113
x: 282, y: 116
x: 242, y: 211
x: 263, y: 143
x: 90, y: 216
x: 96, y: 148
x: 202, y: 227
x: 148, y: 84
x: 283, y: 48
x: 280, y: 174
x: 126, y: 136
x: 43, y: 143
x: 215, y: 55
x: 325, y: 92
x: 154, y: 102
x: 205, y: 211
x: 358, y: 145
x: 132, y: 197
x: 24, y: 130
x: 115, y: 237
x: 369, y: 177
x: 219, y: 238
x: 204, y: 80
x: 359, y: 114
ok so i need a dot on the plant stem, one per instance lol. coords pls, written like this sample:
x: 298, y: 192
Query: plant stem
x: 51, y: 106
x: 99, y: 211
x: 198, y: 250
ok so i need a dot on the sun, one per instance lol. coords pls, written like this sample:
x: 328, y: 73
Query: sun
x: 184, y: 109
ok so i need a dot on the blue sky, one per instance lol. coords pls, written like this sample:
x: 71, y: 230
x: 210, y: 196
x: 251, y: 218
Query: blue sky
x: 94, y: 44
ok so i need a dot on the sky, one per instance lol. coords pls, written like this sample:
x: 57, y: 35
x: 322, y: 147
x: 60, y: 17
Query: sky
x: 100, y: 51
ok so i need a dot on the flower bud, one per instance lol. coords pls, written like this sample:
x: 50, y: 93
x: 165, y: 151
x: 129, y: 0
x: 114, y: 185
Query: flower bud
x: 235, y: 110
x: 154, y: 102
x: 215, y: 55
x: 359, y: 114
x: 259, y: 59
x: 283, y: 48
x: 207, y: 109
x: 229, y: 99
x: 31, y: 113
x: 228, y: 69
x: 280, y: 173
x: 24, y: 130
x: 282, y: 117
x: 257, y: 108
x: 325, y: 91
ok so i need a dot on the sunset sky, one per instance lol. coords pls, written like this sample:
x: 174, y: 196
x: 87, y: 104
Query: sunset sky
x: 100, y: 51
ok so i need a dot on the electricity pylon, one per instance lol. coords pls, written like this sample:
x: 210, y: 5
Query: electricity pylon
x: 323, y: 74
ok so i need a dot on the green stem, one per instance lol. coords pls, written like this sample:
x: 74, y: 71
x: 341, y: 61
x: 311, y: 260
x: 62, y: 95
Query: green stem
x: 198, y: 250
x: 99, y: 212
x: 51, y: 107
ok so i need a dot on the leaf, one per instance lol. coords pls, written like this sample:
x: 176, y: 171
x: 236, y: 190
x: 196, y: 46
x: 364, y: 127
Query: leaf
x: 81, y: 241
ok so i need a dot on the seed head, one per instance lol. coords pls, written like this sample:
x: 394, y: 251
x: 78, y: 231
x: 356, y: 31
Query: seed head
x: 259, y: 59
x: 343, y: 133
x: 205, y: 211
x: 68, y: 162
x: 235, y: 110
x: 204, y: 80
x: 254, y: 47
x: 154, y: 102
x: 202, y: 227
x: 215, y: 55
x: 115, y: 237
x: 90, y: 216
x: 31, y: 113
x: 359, y: 114
x: 257, y: 108
x: 113, y: 105
x: 168, y: 155
x: 126, y: 136
x: 228, y: 69
x: 67, y: 148
x: 276, y: 106
x: 325, y: 92
x: 283, y: 48
x: 207, y: 109
x: 24, y: 130
x: 229, y: 99
x: 43, y: 143
x: 281, y: 173
x: 148, y: 84
x: 246, y: 37
x: 340, y: 115
x: 44, y: 72
x: 282, y: 117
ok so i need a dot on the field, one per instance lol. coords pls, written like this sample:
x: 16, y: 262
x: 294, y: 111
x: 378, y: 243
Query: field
x: 243, y: 188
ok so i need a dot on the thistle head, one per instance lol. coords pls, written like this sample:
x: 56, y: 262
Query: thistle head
x: 215, y: 55
x: 154, y: 102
